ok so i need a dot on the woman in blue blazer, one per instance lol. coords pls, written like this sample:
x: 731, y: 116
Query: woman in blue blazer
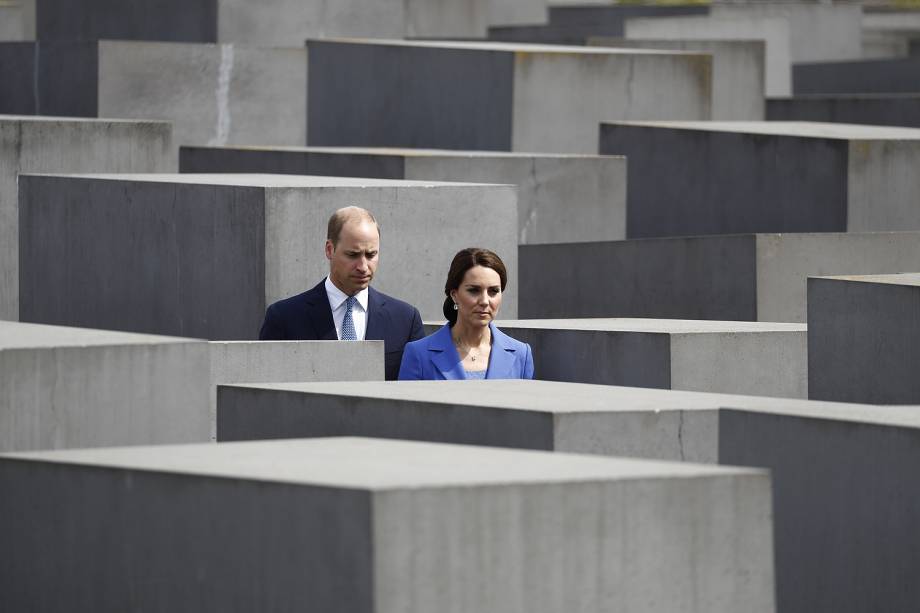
x: 469, y: 346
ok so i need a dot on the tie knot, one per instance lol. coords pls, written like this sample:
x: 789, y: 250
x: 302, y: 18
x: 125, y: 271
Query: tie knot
x: 350, y: 302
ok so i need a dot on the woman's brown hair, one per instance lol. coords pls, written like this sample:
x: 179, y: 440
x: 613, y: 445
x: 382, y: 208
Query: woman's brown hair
x: 463, y: 261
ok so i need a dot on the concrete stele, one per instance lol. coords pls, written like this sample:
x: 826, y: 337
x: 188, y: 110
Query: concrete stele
x: 375, y: 525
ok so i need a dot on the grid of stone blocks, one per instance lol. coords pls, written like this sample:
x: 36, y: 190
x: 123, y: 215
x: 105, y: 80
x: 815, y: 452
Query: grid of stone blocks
x: 722, y: 310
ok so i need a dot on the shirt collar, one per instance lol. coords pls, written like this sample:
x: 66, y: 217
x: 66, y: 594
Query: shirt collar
x: 337, y: 296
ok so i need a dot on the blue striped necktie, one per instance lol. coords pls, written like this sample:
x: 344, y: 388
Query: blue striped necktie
x: 348, y: 324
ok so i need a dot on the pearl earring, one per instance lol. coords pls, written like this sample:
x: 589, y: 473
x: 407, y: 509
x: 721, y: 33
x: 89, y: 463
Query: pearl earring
x: 456, y: 307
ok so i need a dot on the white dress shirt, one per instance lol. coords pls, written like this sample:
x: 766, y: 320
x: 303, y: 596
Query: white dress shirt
x: 358, y: 313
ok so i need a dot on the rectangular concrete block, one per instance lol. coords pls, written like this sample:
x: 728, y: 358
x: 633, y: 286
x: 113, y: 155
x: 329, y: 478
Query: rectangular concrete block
x: 885, y: 76
x: 773, y: 31
x: 735, y: 357
x: 281, y: 361
x: 862, y: 338
x: 492, y: 96
x: 740, y: 177
x: 738, y: 71
x: 204, y: 255
x: 74, y: 387
x: 754, y: 277
x: 270, y: 22
x: 370, y: 525
x: 43, y: 144
x: 836, y: 548
x: 561, y: 198
x: 217, y: 94
x: 871, y: 109
x: 12, y: 22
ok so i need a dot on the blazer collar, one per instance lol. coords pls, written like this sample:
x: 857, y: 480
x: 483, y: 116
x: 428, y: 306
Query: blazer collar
x: 319, y: 313
x: 444, y: 355
x: 376, y: 315
x: 501, y: 359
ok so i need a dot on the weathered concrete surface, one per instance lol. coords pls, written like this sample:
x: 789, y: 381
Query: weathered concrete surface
x: 863, y: 338
x: 738, y: 71
x: 774, y: 31
x: 497, y: 96
x: 281, y: 361
x: 214, y: 94
x: 889, y: 33
x: 817, y: 31
x: 871, y: 109
x: 561, y: 198
x: 755, y: 277
x: 12, y: 22
x: 203, y: 255
x: 899, y: 75
x: 73, y: 387
x: 735, y: 357
x: 274, y: 22
x: 43, y: 144
x: 370, y: 525
x: 739, y: 177
x: 823, y: 457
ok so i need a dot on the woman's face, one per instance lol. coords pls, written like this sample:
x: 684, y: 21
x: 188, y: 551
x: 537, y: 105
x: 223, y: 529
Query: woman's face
x: 479, y: 296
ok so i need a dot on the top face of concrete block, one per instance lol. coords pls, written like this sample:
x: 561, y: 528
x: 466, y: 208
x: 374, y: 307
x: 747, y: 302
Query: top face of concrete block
x: 804, y: 129
x: 47, y: 120
x: 14, y: 335
x: 527, y: 48
x: 411, y: 152
x: 262, y: 180
x: 655, y: 326
x: 911, y: 279
x: 374, y: 464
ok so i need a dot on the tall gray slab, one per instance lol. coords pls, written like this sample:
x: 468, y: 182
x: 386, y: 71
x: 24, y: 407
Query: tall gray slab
x: 360, y: 525
x: 735, y: 357
x: 270, y: 22
x: 215, y: 94
x: 754, y: 277
x: 836, y: 547
x: 74, y: 387
x: 281, y: 361
x: 871, y: 109
x: 738, y: 71
x: 738, y: 177
x: 863, y: 337
x: 43, y: 144
x: 773, y: 31
x: 886, y: 76
x: 492, y: 96
x: 12, y: 22
x: 203, y: 255
x: 561, y: 198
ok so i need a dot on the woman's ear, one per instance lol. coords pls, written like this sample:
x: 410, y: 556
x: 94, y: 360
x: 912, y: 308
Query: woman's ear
x: 453, y: 295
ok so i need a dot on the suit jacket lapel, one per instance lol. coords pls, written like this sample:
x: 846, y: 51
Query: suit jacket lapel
x: 319, y: 314
x: 444, y: 355
x: 376, y: 316
x: 501, y: 360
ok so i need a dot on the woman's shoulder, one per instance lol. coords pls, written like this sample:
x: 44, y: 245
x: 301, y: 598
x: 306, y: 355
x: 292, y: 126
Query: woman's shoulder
x: 508, y: 341
x: 432, y: 339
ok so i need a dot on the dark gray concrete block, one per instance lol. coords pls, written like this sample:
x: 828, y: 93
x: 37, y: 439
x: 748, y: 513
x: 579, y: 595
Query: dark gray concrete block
x: 871, y: 109
x: 361, y: 525
x: 492, y: 96
x: 738, y: 277
x: 740, y: 177
x: 857, y: 77
x: 49, y: 78
x: 161, y: 20
x: 864, y: 338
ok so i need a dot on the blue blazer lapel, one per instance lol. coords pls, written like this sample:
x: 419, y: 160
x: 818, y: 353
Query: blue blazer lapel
x: 501, y: 360
x: 444, y: 355
x: 319, y: 314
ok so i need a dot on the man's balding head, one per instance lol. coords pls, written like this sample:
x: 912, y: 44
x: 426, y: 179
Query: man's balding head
x: 346, y: 215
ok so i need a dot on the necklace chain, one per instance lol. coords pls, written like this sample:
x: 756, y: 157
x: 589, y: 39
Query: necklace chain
x: 461, y: 347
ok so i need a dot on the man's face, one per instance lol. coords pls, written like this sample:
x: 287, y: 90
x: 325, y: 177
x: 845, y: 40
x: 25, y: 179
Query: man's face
x: 353, y: 261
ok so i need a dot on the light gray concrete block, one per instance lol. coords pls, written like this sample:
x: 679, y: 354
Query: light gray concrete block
x: 738, y: 177
x: 736, y: 357
x: 773, y: 31
x: 12, y: 21
x: 511, y: 97
x: 371, y: 525
x: 203, y: 255
x: 837, y: 549
x: 738, y: 72
x: 280, y: 361
x: 754, y: 277
x: 817, y: 31
x: 73, y: 387
x: 43, y: 144
x: 561, y: 198
x: 864, y: 338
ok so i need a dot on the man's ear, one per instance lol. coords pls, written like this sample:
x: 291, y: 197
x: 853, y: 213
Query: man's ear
x: 330, y: 249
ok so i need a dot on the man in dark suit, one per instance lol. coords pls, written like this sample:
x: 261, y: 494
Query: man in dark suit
x: 344, y: 306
